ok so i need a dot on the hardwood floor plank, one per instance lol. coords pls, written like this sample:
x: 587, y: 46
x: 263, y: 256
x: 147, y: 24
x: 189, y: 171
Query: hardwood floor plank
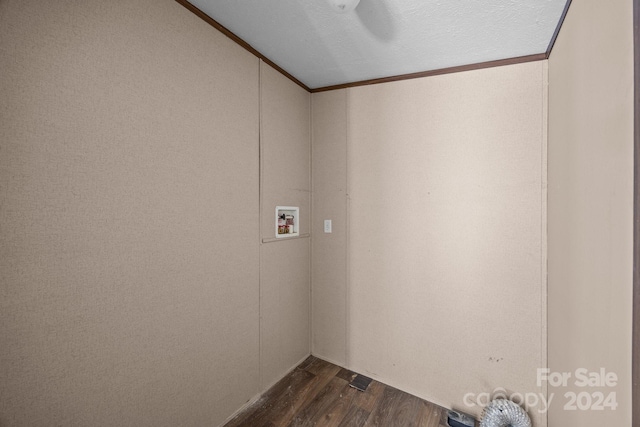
x: 368, y: 399
x: 337, y: 411
x: 308, y: 361
x: 407, y: 412
x: 383, y: 413
x: 431, y: 415
x: 355, y: 417
x: 316, y: 408
x: 320, y: 367
x: 346, y: 375
x: 317, y: 393
x: 325, y: 372
x: 274, y: 401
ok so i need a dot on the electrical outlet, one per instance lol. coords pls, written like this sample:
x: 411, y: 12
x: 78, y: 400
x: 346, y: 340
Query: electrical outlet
x: 327, y: 226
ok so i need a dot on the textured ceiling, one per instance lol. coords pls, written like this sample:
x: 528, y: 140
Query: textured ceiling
x: 383, y: 38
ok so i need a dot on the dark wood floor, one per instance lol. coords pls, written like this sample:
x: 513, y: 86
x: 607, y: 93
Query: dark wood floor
x: 317, y: 393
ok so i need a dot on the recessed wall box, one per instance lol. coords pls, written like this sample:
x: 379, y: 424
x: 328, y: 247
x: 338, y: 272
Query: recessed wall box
x: 287, y: 221
x: 460, y: 419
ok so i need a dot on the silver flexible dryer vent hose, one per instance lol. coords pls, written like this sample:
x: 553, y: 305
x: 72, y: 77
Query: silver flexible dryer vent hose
x: 504, y: 413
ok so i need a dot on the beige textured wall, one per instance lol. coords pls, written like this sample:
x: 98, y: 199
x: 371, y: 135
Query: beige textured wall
x: 329, y: 250
x: 591, y: 206
x: 447, y: 288
x: 129, y: 220
x: 285, y: 145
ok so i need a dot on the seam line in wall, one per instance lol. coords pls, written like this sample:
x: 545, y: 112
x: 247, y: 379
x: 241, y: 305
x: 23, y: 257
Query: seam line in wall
x: 311, y: 224
x: 260, y: 200
x: 347, y: 335
x: 544, y: 231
